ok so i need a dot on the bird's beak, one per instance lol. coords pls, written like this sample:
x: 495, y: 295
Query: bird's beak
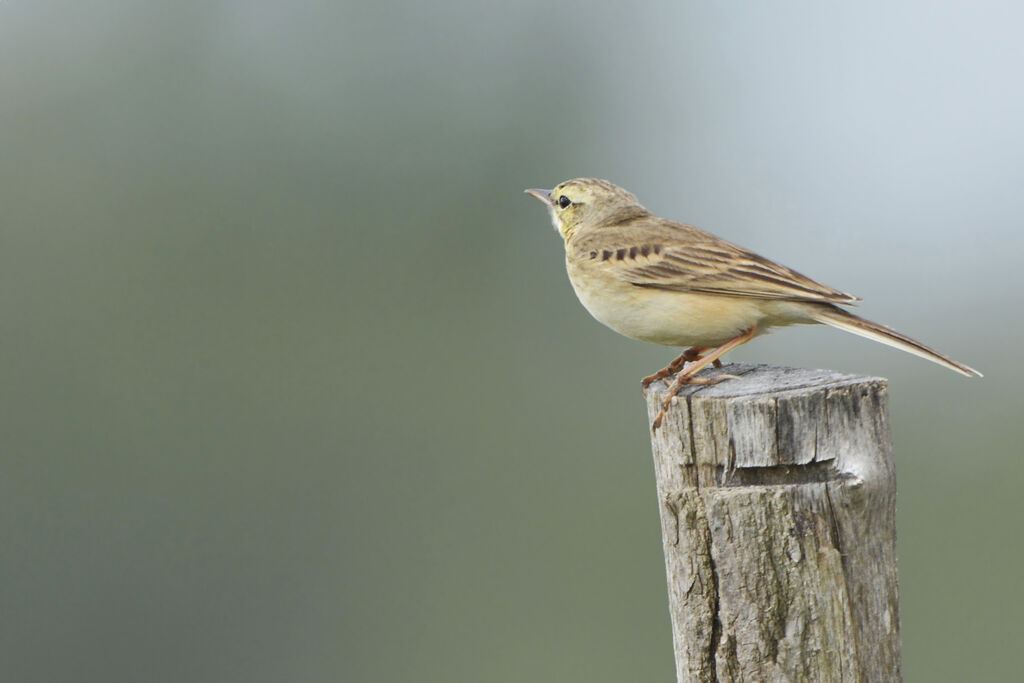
x: 543, y: 195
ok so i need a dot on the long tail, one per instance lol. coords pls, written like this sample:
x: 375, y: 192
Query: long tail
x: 837, y: 317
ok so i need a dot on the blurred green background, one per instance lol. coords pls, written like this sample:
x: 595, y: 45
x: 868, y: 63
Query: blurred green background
x: 295, y: 389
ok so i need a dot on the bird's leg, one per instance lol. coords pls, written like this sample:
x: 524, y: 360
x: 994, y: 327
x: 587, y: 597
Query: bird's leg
x: 687, y: 375
x: 687, y: 356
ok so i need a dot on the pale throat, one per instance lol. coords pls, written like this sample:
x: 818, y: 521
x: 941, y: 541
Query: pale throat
x: 554, y: 220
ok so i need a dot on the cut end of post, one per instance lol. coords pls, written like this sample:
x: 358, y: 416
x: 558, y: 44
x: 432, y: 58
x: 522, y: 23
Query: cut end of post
x: 744, y: 430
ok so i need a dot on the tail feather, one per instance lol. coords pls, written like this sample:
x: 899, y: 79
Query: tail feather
x: 837, y: 317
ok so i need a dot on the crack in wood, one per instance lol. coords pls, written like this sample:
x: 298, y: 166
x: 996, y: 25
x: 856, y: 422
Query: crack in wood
x: 714, y: 596
x: 777, y: 475
x: 673, y: 510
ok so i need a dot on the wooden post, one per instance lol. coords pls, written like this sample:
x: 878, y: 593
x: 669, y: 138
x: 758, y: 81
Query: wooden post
x: 777, y: 498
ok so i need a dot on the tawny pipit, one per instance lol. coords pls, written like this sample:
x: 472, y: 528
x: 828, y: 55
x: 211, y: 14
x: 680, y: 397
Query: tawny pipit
x: 664, y: 282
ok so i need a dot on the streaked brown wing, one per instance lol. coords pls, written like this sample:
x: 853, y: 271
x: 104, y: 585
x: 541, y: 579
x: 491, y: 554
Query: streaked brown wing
x: 683, y: 258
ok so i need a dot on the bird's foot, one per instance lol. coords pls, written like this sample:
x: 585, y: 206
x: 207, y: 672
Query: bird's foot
x: 675, y: 366
x: 660, y: 374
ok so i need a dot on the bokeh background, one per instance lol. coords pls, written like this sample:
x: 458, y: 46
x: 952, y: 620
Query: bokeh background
x: 293, y: 385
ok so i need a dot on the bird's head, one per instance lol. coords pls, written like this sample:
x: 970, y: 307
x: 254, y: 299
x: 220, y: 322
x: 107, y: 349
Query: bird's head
x: 588, y: 202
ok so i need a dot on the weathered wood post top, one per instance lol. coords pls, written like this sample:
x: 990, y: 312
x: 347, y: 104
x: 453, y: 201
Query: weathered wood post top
x: 777, y: 499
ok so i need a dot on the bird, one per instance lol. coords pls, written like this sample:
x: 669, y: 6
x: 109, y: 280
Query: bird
x: 656, y: 280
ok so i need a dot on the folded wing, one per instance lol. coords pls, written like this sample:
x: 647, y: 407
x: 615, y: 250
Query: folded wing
x: 679, y: 257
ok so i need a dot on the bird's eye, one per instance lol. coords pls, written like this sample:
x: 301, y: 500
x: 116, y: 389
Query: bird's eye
x: 563, y: 201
